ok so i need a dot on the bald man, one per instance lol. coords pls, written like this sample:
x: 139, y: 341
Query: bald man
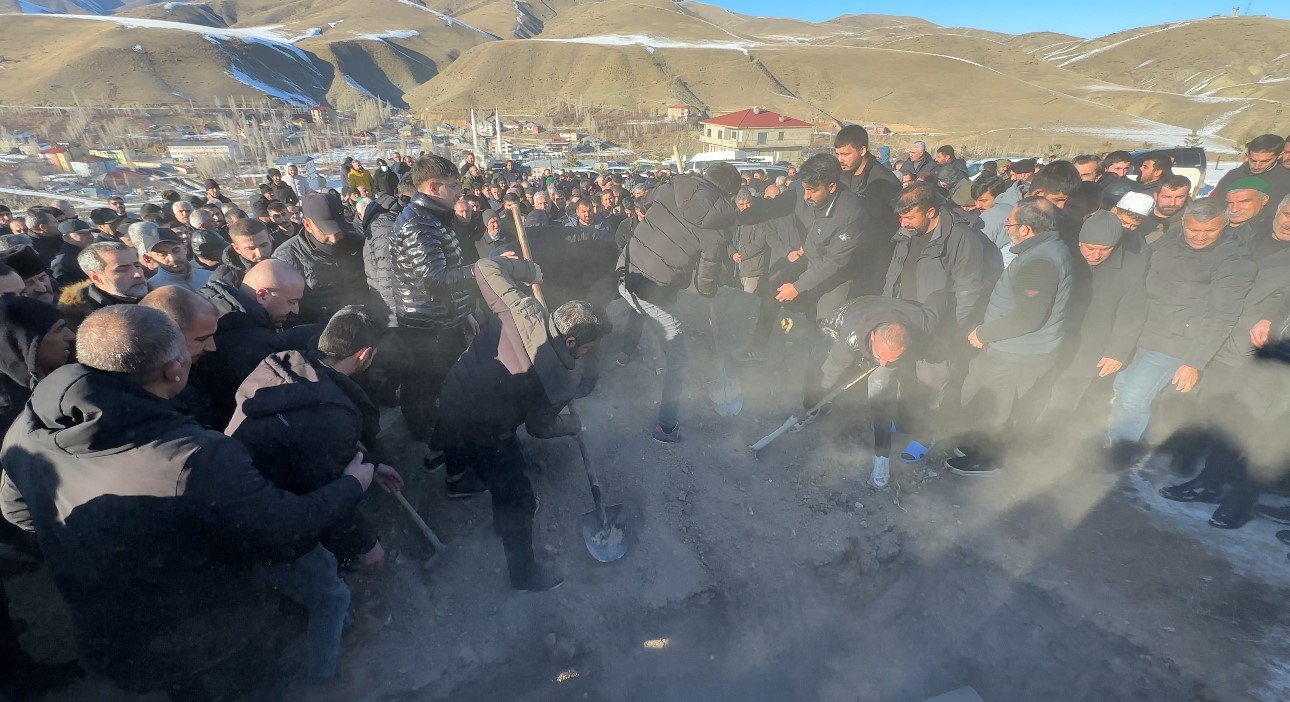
x: 254, y: 322
x: 197, y: 320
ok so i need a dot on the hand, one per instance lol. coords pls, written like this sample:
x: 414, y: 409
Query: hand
x: 1259, y: 333
x: 787, y: 293
x: 796, y: 254
x: 1107, y: 366
x: 470, y: 329
x: 372, y: 561
x: 360, y: 470
x: 738, y: 257
x: 509, y: 255
x: 537, y: 274
x: 974, y: 339
x: 388, y: 478
x: 1185, y: 378
x: 800, y: 413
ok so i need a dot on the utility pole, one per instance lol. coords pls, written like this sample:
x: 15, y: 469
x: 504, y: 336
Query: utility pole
x: 497, y: 123
x: 474, y: 131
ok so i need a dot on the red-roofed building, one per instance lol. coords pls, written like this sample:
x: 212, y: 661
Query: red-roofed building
x: 757, y: 132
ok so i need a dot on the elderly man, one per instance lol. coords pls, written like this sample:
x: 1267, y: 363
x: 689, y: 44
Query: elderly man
x: 42, y: 227
x: 1248, y: 215
x: 114, y: 277
x: 920, y: 165
x: 150, y: 524
x: 1023, y: 330
x: 1195, y: 291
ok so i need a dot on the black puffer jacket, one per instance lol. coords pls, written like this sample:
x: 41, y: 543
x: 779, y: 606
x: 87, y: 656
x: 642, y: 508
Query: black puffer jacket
x: 432, y: 282
x: 333, y: 274
x: 302, y: 423
x: 244, y: 336
x: 851, y: 324
x: 1195, y: 297
x: 151, y: 527
x: 377, y: 223
x: 385, y: 180
x: 687, y: 229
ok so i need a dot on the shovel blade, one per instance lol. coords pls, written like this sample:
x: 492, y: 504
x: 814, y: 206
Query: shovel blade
x: 726, y: 393
x: 605, y: 542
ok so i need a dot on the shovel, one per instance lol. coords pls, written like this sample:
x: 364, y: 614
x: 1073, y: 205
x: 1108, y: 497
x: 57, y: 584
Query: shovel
x: 726, y: 392
x: 603, y: 528
x: 764, y: 441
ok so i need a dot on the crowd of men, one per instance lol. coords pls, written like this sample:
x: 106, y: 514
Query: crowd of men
x: 193, y: 390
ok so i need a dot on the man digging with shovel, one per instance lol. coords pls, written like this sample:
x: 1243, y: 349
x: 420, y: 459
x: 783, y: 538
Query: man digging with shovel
x: 520, y: 369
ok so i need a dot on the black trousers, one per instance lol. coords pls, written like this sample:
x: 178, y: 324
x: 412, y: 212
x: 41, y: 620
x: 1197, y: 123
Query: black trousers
x: 425, y: 357
x: 501, y: 466
x: 820, y: 303
x: 995, y: 382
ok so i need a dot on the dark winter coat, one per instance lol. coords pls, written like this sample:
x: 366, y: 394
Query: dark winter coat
x: 285, y: 193
x: 1004, y: 299
x: 386, y: 182
x: 377, y: 223
x: 232, y: 267
x: 80, y: 300
x: 517, y: 370
x: 1263, y: 302
x: 1277, y: 178
x: 64, y: 267
x: 956, y: 258
x: 922, y: 169
x: 151, y: 526
x: 851, y: 324
x: 24, y: 323
x: 685, y: 235
x: 244, y: 336
x: 433, y: 284
x: 1108, y: 307
x: 302, y: 422
x: 333, y: 274
x: 1195, y: 297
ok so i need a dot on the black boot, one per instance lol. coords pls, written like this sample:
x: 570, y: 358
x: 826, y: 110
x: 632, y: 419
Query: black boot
x: 466, y: 484
x: 1236, y: 508
x: 526, y: 573
x: 1280, y: 515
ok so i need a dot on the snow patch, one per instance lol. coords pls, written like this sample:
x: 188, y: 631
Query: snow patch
x: 450, y: 21
x: 390, y: 34
x: 651, y: 43
x: 1220, y: 122
x: 1108, y: 47
x: 357, y: 86
x: 172, y: 5
x: 138, y: 48
x: 333, y: 24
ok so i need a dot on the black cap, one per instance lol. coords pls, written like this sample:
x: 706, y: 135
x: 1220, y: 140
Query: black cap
x: 24, y: 260
x: 103, y: 215
x: 260, y: 208
x: 266, y: 188
x: 74, y: 225
x: 207, y: 244
x: 210, y: 183
x: 1025, y: 165
x: 325, y: 211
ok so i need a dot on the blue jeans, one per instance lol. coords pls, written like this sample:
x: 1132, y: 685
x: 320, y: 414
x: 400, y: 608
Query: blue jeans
x: 312, y: 581
x: 666, y: 327
x: 1136, y: 388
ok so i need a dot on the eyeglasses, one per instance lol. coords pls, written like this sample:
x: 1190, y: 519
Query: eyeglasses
x: 1010, y: 226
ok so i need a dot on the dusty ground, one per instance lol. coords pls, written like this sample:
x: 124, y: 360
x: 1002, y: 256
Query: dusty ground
x: 788, y: 578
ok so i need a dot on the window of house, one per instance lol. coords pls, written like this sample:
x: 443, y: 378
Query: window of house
x: 709, y: 132
x: 781, y: 136
x: 721, y: 134
x: 761, y: 137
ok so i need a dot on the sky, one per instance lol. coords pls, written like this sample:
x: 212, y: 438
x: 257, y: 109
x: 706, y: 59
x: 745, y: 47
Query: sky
x: 1083, y: 18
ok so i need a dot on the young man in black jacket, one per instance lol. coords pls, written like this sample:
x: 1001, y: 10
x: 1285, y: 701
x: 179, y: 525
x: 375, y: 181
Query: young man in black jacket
x: 302, y: 417
x: 685, y: 236
x: 434, y: 298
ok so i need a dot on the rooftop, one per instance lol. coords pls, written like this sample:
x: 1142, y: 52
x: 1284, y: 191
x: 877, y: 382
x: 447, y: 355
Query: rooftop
x: 753, y: 118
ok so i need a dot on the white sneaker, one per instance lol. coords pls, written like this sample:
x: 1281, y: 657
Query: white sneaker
x: 881, y: 472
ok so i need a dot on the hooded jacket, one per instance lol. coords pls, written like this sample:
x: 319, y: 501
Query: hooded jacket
x: 685, y: 234
x: 24, y: 323
x: 150, y: 525
x: 302, y: 422
x: 80, y: 300
x: 244, y: 336
x: 385, y: 180
x: 1195, y: 297
x: 517, y: 371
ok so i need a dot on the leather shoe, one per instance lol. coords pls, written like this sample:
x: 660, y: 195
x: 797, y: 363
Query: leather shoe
x: 1236, y: 508
x: 1194, y: 490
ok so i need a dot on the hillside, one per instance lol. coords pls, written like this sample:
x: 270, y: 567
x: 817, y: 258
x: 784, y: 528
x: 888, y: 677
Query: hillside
x: 641, y: 55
